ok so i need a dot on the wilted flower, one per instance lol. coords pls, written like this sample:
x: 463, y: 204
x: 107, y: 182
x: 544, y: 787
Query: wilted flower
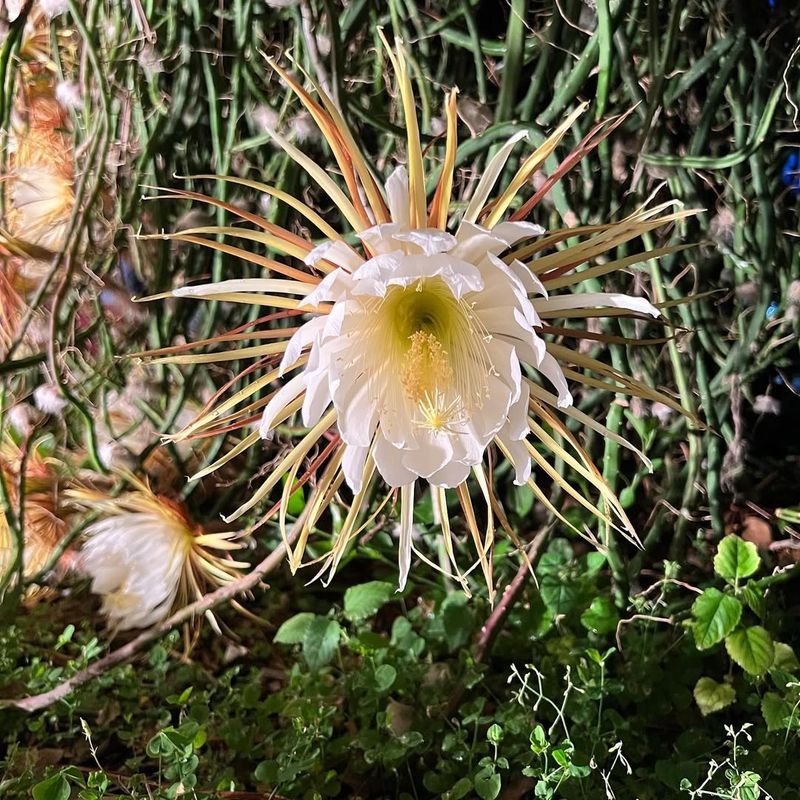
x: 53, y: 7
x: 49, y: 399
x: 44, y: 518
x: 40, y: 187
x: 428, y: 345
x: 145, y: 557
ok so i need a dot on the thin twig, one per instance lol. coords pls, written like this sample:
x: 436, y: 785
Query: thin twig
x: 512, y: 592
x: 129, y: 650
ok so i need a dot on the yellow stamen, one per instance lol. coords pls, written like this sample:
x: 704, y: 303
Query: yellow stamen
x: 438, y: 415
x: 425, y: 366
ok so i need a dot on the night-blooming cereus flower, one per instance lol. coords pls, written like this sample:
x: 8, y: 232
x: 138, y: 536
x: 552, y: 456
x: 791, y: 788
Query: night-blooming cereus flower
x: 146, y: 558
x: 422, y: 349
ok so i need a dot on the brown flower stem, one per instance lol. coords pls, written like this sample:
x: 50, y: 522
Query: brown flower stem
x: 129, y: 650
x: 510, y: 596
x: 499, y: 615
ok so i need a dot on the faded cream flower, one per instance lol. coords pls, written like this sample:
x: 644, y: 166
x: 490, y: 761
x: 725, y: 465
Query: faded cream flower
x: 427, y: 340
x: 146, y: 558
x: 44, y: 519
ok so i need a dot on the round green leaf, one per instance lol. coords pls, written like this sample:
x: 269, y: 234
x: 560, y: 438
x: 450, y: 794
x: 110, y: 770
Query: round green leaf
x: 785, y: 659
x: 601, y: 616
x: 385, y: 676
x: 54, y: 788
x: 487, y: 784
x: 776, y: 711
x: 711, y: 696
x: 294, y: 629
x: 752, y: 649
x: 362, y: 601
x: 715, y: 615
x: 320, y: 642
x: 735, y: 558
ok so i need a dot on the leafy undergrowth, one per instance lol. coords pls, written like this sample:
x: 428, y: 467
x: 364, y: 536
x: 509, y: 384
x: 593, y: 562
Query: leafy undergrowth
x: 361, y: 692
x: 669, y: 671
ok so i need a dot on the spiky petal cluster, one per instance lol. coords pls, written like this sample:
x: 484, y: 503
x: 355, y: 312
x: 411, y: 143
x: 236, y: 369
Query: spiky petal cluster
x: 428, y: 348
x: 145, y: 557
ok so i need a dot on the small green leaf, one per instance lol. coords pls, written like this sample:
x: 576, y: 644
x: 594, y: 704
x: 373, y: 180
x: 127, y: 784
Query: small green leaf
x: 736, y: 558
x: 785, y: 659
x: 711, y: 696
x: 558, y: 593
x: 601, y: 616
x: 460, y: 789
x: 715, y: 615
x: 385, y: 676
x: 487, y: 784
x: 362, y: 601
x: 53, y: 788
x: 320, y: 642
x: 66, y: 636
x: 293, y: 631
x: 776, y: 711
x: 752, y: 649
x: 754, y: 597
x: 495, y: 734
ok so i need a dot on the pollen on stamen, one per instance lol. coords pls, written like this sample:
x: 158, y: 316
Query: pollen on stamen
x: 425, y: 366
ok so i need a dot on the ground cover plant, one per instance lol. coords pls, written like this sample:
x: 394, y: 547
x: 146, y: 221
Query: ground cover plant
x: 622, y: 625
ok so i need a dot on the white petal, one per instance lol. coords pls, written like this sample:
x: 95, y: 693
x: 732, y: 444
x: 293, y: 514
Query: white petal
x: 593, y: 299
x: 520, y: 459
x: 406, y: 531
x: 280, y: 399
x: 353, y: 463
x: 490, y: 176
x: 388, y: 462
x: 475, y: 242
x: 513, y: 232
x: 430, y: 240
x: 336, y: 252
x: 550, y: 368
x: 305, y: 336
x: 516, y: 428
x: 357, y: 412
x: 451, y: 475
x: 397, y: 197
x: 433, y: 452
x: 318, y: 397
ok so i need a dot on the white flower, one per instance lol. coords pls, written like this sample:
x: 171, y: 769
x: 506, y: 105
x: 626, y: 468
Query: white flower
x: 68, y: 93
x: 304, y: 128
x: 53, y: 8
x: 422, y: 350
x: 49, y: 400
x: 144, y: 556
x: 420, y: 353
x: 265, y: 118
x: 22, y: 417
x: 135, y: 561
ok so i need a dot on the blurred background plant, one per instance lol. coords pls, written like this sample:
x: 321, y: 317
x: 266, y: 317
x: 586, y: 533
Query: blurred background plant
x: 627, y: 672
